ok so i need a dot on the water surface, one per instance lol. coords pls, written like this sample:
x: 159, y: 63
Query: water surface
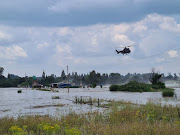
x: 15, y: 104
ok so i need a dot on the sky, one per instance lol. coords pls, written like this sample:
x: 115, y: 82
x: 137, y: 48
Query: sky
x: 48, y: 35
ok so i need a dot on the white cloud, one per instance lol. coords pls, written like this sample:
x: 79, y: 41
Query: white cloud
x: 169, y: 24
x: 11, y: 53
x: 153, y: 19
x: 159, y: 60
x: 42, y: 45
x: 173, y: 53
x: 80, y: 61
x: 63, y: 49
x: 64, y: 31
x: 94, y: 41
x: 139, y: 28
x: 95, y: 44
x: 122, y: 40
x: 4, y: 35
x: 121, y: 28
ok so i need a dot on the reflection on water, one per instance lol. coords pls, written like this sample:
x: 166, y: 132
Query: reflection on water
x: 14, y: 104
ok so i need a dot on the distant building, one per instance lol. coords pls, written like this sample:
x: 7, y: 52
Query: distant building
x: 62, y: 85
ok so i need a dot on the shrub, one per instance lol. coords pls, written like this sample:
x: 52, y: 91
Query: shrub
x: 55, y: 97
x: 132, y: 86
x: 114, y: 87
x: 159, y: 85
x: 169, y: 93
x: 19, y: 91
x: 94, y: 85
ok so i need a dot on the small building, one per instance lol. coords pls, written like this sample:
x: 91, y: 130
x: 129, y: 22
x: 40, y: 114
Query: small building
x: 54, y: 85
x: 64, y: 85
x: 61, y: 85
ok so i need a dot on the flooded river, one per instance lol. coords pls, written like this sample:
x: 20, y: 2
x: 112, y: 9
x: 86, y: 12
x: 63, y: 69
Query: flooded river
x: 34, y: 102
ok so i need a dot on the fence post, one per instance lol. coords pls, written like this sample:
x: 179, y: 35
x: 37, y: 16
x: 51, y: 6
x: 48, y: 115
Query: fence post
x: 98, y: 102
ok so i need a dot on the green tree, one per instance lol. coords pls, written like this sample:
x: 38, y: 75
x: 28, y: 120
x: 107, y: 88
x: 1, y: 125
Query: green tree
x: 43, y: 79
x: 155, y: 76
x: 1, y: 70
x: 63, y: 75
x: 94, y: 77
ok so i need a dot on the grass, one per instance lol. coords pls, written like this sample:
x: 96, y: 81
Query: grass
x: 149, y: 119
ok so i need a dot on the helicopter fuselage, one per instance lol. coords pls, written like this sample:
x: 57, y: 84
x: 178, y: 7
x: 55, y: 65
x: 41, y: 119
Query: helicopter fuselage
x: 124, y: 51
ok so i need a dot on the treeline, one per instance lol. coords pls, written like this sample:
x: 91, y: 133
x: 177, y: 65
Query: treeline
x: 92, y: 77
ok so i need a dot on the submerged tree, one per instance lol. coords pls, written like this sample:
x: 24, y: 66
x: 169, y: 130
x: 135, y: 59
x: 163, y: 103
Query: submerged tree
x: 155, y: 76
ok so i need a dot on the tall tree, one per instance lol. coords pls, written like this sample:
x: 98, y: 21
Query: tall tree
x: 63, y: 76
x: 43, y: 79
x: 155, y: 76
x: 43, y: 75
x: 93, y: 77
x: 1, y: 70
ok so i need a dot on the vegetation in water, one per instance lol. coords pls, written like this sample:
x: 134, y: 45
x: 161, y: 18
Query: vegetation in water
x: 168, y: 93
x: 55, y: 97
x: 122, y: 118
x: 19, y: 91
x: 134, y: 86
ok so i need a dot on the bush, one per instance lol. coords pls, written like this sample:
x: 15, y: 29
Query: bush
x: 132, y: 86
x: 159, y: 85
x: 19, y: 91
x: 93, y: 85
x: 114, y: 87
x: 169, y: 93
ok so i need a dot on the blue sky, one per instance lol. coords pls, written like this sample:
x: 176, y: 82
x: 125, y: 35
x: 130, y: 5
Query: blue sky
x: 48, y: 35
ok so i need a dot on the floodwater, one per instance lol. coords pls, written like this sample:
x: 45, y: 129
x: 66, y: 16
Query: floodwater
x: 35, y: 102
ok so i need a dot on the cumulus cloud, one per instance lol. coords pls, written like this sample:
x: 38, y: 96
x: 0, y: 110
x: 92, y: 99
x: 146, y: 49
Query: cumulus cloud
x: 160, y: 60
x: 63, y: 49
x: 12, y: 53
x: 94, y: 45
x: 64, y: 31
x: 4, y: 35
x: 173, y: 53
x: 121, y: 28
x: 139, y: 28
x: 42, y: 45
x: 123, y: 40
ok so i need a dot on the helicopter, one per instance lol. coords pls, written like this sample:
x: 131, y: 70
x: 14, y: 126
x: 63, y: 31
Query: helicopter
x: 126, y: 50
